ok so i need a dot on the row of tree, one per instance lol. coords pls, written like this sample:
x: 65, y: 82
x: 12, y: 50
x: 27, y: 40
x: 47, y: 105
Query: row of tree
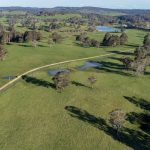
x: 13, y: 36
x: 86, y: 41
x: 109, y: 40
x: 141, y: 57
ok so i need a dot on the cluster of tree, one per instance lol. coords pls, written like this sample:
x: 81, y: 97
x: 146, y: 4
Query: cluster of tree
x: 55, y: 25
x: 91, y: 29
x: 86, y: 41
x: 114, y: 40
x: 76, y: 21
x: 29, y: 22
x: 45, y: 13
x: 13, y: 36
x: 87, y: 16
x: 141, y: 59
x: 32, y: 36
x: 98, y: 19
x: 135, y: 21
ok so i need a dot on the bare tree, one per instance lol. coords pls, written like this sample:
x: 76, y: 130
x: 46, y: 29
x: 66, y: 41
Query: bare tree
x: 92, y: 80
x: 117, y: 119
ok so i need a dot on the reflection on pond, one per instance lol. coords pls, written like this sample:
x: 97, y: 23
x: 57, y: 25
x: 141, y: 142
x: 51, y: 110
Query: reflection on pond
x: 89, y: 64
x: 55, y: 71
x: 86, y: 65
x: 9, y: 77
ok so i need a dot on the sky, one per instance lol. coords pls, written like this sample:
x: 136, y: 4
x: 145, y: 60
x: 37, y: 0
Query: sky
x: 121, y: 4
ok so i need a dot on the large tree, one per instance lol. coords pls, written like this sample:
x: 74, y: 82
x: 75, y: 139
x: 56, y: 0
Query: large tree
x: 4, y: 37
x: 111, y: 40
x: 61, y: 80
x: 106, y: 38
x: 123, y: 38
x: 32, y: 35
x: 140, y: 61
x: 3, y: 53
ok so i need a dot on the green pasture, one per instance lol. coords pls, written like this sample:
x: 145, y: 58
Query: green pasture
x: 34, y: 116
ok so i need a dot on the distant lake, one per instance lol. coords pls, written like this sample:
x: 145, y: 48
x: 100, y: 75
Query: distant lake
x: 107, y: 29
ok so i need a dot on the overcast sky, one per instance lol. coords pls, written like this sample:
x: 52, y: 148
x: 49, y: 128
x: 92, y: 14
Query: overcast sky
x: 130, y: 4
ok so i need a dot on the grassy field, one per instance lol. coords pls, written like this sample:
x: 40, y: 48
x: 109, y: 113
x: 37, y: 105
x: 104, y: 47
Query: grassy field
x: 23, y: 57
x: 36, y: 117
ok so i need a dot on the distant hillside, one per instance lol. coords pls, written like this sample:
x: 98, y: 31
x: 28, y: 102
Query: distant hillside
x: 95, y: 10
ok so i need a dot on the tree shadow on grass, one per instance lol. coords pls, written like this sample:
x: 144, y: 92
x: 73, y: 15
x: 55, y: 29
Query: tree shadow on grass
x: 112, y: 67
x: 146, y: 73
x: 132, y: 45
x: 122, y: 53
x: 142, y: 119
x: 139, y: 102
x: 132, y: 138
x: 38, y: 82
x: 25, y: 45
x: 115, y: 58
x: 79, y: 84
x: 40, y: 45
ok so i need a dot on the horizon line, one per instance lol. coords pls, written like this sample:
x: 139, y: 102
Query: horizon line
x: 74, y: 7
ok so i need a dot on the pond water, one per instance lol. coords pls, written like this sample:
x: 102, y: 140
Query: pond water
x: 55, y: 71
x: 86, y: 65
x: 9, y: 77
x: 89, y: 64
x: 107, y: 29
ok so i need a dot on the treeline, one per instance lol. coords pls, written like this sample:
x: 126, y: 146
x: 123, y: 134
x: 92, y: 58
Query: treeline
x: 13, y: 36
x: 109, y: 40
x: 141, y: 58
x: 135, y: 21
